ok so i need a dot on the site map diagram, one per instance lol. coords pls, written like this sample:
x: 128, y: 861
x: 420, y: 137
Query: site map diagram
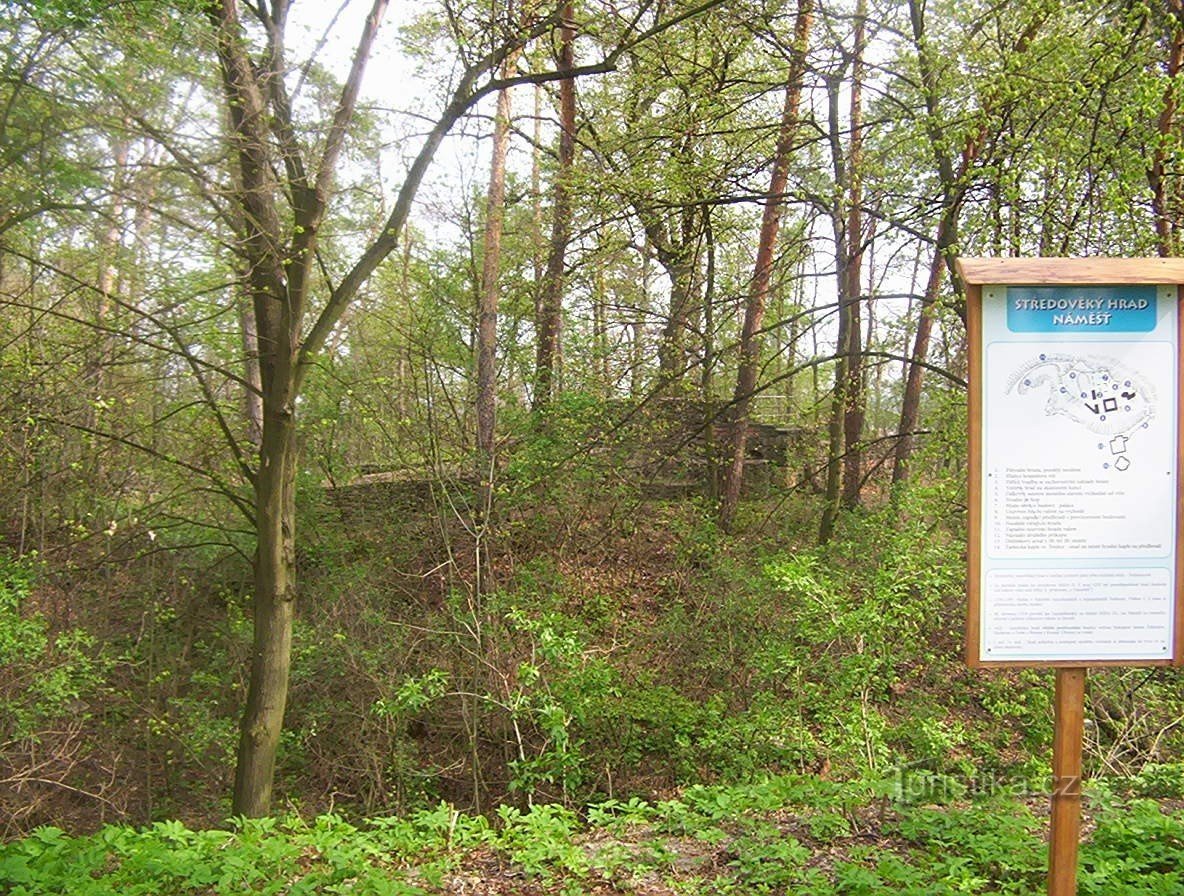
x: 1107, y: 398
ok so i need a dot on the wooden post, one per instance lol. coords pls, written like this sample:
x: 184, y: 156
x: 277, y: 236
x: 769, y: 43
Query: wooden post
x: 1066, y: 782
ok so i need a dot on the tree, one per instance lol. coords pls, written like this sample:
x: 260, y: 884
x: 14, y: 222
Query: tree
x: 844, y: 466
x: 278, y: 267
x: 758, y: 290
x: 851, y: 272
x: 671, y: 148
x: 486, y: 337
x: 953, y: 183
x: 284, y: 201
x: 549, y: 319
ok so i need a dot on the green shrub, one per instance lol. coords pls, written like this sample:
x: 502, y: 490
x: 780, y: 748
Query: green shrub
x: 43, y: 675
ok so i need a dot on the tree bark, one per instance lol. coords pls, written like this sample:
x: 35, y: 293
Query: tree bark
x: 108, y: 281
x: 845, y: 420
x: 550, y: 317
x: 854, y: 411
x: 679, y: 264
x: 762, y: 275
x: 487, y: 310
x: 274, y: 611
x: 253, y: 390
x: 910, y: 406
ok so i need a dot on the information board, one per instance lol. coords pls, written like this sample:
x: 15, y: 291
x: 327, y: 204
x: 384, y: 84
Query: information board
x: 1075, y: 391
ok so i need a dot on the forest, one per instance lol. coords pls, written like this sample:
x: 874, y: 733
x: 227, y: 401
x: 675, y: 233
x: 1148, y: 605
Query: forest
x: 520, y: 446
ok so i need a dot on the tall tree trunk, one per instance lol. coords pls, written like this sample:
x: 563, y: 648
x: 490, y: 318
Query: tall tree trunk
x: 537, y: 260
x: 762, y: 275
x: 854, y: 412
x: 600, y: 347
x: 550, y: 316
x: 910, y: 407
x: 838, y: 402
x: 487, y: 311
x: 637, y: 330
x: 845, y: 423
x: 110, y: 248
x: 278, y: 276
x: 707, y: 375
x: 834, y: 439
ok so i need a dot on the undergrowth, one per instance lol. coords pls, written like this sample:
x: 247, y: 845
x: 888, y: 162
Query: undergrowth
x: 786, y: 834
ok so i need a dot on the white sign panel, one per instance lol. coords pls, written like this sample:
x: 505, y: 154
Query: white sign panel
x: 1078, y: 474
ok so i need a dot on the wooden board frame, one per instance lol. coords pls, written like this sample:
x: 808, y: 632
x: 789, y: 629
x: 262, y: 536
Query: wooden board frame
x: 979, y: 272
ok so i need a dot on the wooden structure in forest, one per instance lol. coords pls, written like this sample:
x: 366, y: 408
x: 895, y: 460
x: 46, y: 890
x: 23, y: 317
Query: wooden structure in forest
x: 670, y: 448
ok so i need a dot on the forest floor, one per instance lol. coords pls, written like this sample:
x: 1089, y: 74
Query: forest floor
x: 786, y: 835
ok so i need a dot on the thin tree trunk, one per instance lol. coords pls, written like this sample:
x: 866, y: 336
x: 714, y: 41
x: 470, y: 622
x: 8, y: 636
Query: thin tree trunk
x: 600, y: 347
x: 550, y: 317
x: 854, y: 411
x: 762, y: 275
x: 537, y: 261
x: 834, y: 441
x: 486, y: 364
x: 711, y: 452
x: 910, y: 407
x: 707, y: 375
x: 403, y: 378
x: 487, y: 311
x: 110, y: 246
x: 843, y: 344
x: 637, y: 343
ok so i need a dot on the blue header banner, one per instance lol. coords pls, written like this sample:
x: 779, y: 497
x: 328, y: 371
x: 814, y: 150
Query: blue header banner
x: 1081, y: 309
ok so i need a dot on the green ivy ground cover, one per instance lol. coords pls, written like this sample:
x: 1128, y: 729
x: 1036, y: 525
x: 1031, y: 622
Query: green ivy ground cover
x: 786, y: 835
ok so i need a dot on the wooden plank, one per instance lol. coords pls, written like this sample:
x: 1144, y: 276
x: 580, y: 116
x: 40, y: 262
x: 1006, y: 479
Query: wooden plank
x: 1070, y: 271
x: 1065, y: 833
x: 974, y: 497
x: 1178, y: 651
